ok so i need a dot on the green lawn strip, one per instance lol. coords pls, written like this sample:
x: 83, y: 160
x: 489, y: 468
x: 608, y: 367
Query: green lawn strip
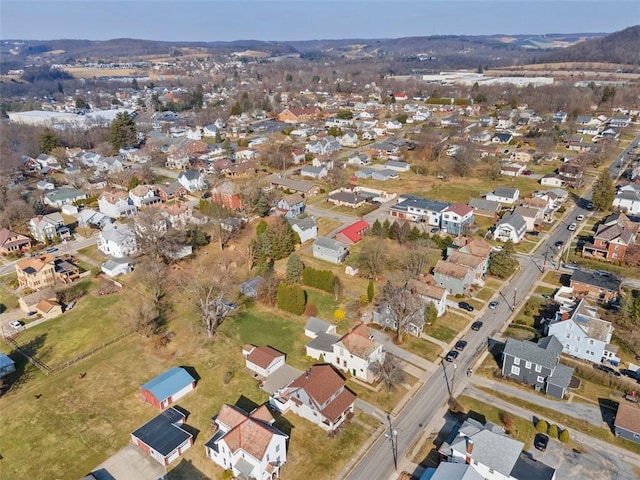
x: 493, y: 283
x: 540, y: 290
x: 326, y: 225
x: 477, y: 304
x: 519, y: 333
x: 324, y: 301
x: 8, y: 300
x: 421, y: 347
x: 383, y: 398
x: 441, y: 332
x: 568, y: 421
x: 92, y: 252
x: 552, y: 277
x: 531, y: 307
x: 485, y: 294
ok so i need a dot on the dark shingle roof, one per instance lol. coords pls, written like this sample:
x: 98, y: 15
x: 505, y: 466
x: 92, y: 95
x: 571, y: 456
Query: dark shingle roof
x: 604, y: 280
x: 161, y: 432
x: 545, y: 353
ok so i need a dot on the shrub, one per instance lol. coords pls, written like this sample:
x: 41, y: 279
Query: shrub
x: 338, y: 314
x: 553, y: 431
x: 291, y: 298
x: 542, y: 426
x: 226, y: 378
x: 321, y: 279
x: 311, y: 309
x: 565, y: 436
x: 508, y: 421
x: 364, y: 301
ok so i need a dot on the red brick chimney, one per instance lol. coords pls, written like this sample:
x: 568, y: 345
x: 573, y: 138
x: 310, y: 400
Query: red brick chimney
x: 469, y: 450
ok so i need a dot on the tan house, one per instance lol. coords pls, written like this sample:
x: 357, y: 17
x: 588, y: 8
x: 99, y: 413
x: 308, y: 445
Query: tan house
x: 12, y: 242
x: 28, y: 303
x: 36, y: 273
x: 296, y: 115
x: 48, y: 308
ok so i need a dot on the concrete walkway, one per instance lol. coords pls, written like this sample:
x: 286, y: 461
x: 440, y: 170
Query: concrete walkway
x: 442, y: 344
x: 392, y: 348
x: 371, y: 410
x: 581, y: 411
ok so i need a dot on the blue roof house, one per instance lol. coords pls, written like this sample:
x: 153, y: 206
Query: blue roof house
x: 168, y: 387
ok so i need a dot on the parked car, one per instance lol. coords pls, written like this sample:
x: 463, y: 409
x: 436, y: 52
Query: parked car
x: 461, y: 344
x: 51, y: 250
x: 590, y: 206
x: 630, y: 373
x: 541, y: 441
x: 493, y: 305
x: 466, y: 306
x: 476, y: 325
x: 571, y: 266
x: 572, y: 227
x: 17, y: 324
x: 435, y: 230
x: 580, y: 218
x: 558, y: 244
x: 527, y: 173
x: 607, y: 370
x: 451, y: 356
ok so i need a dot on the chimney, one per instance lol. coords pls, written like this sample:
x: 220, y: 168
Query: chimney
x: 469, y: 450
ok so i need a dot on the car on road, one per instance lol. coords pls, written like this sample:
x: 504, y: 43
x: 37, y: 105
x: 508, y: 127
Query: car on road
x: 630, y: 373
x: 572, y: 227
x: 541, y: 441
x: 17, y: 324
x: 451, y: 356
x: 558, y: 244
x: 571, y: 266
x: 460, y: 345
x: 608, y: 370
x: 476, y: 325
x: 466, y: 306
x: 435, y: 230
x: 580, y: 218
x: 493, y: 305
x: 590, y: 206
x: 51, y: 250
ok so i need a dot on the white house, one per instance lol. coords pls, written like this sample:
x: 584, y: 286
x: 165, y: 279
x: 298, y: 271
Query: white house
x: 248, y: 444
x: 63, y: 196
x: 355, y: 352
x: 349, y: 139
x: 117, y: 241
x: 263, y: 360
x: 116, y: 266
x: 116, y: 204
x: 583, y: 334
x: 192, y: 180
x: 430, y: 293
x: 318, y: 395
x: 628, y: 199
x: 306, y: 228
x: 143, y: 195
x: 361, y: 159
x: 511, y: 227
x: 506, y: 195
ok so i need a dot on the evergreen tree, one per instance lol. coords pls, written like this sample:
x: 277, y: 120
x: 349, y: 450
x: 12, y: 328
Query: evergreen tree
x: 542, y: 426
x: 134, y: 84
x: 134, y: 182
x: 386, y: 226
x: 370, y: 291
x: 553, y: 431
x: 565, y: 436
x: 123, y: 132
x: 48, y: 141
x: 294, y: 269
x: 604, y: 191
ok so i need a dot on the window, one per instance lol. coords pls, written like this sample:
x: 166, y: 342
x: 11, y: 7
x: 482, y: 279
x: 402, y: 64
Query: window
x: 528, y: 365
x: 540, y: 379
x: 568, y: 335
x: 515, y: 370
x: 577, y: 349
x: 538, y: 368
x: 578, y: 338
x: 516, y: 361
x: 277, y: 447
x: 591, y: 341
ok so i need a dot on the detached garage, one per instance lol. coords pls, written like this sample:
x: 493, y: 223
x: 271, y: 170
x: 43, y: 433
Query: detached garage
x: 163, y: 438
x: 167, y: 388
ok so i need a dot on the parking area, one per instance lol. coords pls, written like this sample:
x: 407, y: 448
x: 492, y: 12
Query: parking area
x: 130, y: 463
x: 591, y: 464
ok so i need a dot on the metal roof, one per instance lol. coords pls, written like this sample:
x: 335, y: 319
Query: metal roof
x: 168, y: 383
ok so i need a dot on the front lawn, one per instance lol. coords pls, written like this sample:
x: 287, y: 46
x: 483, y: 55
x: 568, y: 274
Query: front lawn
x: 8, y: 301
x: 421, y: 347
x: 383, y: 398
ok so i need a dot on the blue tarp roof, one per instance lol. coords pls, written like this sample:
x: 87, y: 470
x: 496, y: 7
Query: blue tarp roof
x: 168, y: 383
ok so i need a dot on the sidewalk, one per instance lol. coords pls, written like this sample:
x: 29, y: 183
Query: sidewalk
x: 401, y: 353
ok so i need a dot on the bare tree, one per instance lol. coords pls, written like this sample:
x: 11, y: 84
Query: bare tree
x: 208, y: 289
x: 155, y: 237
x: 147, y: 310
x: 417, y: 259
x: 372, y: 258
x: 403, y: 306
x: 389, y: 371
x: 15, y: 212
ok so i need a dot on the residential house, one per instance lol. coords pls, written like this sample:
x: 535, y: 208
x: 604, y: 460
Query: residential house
x: 531, y: 216
x: 485, y: 208
x: 397, y: 166
x: 506, y: 195
x: 263, y: 360
x: 361, y: 159
x: 502, y: 137
x: 290, y: 206
x: 143, y: 196
x: 511, y: 227
x: 537, y: 364
x: 50, y: 226
x: 306, y: 189
x: 475, y: 262
x: 486, y: 450
x: 330, y: 250
x: 430, y: 293
x: 627, y: 421
x: 414, y: 325
x: 311, y: 171
x: 36, y: 273
x: 316, y: 326
x: 384, y: 174
x: 552, y: 180
x: 457, y: 279
x: 478, y: 247
x: 571, y: 174
x: 419, y: 210
x: 63, y: 196
x: 355, y: 352
x: 117, y: 241
x: 47, y: 162
x: 306, y: 228
x: 28, y: 303
x: 349, y: 139
x: 347, y: 199
x: 7, y: 365
x: 192, y: 180
x: 45, y: 185
x: 613, y: 237
x: 247, y: 444
x: 353, y: 233
x: 48, y: 309
x: 298, y: 115
x: 88, y: 217
x: 168, y: 387
x: 628, y: 199
x: 456, y: 219
x: 116, y: 204
x: 228, y: 195
x: 560, y: 117
x: 318, y: 395
x: 602, y: 286
x: 179, y: 215
x: 512, y: 169
x: 170, y: 191
x: 620, y: 121
x: 163, y: 437
x: 116, y: 266
x: 583, y: 333
x: 13, y: 242
x: 177, y: 159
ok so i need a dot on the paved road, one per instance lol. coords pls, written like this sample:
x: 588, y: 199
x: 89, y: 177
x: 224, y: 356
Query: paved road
x: 378, y: 462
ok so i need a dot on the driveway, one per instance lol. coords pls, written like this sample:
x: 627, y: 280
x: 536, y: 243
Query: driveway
x: 130, y: 463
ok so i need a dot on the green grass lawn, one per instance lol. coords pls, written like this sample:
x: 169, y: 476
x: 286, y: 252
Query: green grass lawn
x: 421, y: 347
x: 8, y: 300
x: 441, y: 332
x: 324, y: 301
x: 383, y: 398
x: 93, y: 253
x: 485, y: 294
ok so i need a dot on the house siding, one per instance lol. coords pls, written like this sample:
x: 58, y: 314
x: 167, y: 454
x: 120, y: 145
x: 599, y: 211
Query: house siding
x: 627, y: 434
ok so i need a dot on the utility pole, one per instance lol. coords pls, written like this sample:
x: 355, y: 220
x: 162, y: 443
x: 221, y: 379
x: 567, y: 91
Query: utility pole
x: 515, y: 292
x: 446, y: 379
x: 393, y: 437
x: 544, y: 265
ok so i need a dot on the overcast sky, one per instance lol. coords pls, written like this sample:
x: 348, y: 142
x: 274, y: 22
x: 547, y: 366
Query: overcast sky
x: 212, y: 20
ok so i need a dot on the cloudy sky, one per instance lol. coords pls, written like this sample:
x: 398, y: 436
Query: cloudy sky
x: 213, y: 20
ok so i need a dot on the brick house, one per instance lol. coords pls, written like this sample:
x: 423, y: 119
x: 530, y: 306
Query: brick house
x: 297, y: 115
x: 227, y: 195
x: 602, y: 286
x: 613, y: 237
x: 13, y: 242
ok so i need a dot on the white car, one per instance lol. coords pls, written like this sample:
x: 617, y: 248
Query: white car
x: 572, y: 227
x: 580, y: 218
x: 17, y: 324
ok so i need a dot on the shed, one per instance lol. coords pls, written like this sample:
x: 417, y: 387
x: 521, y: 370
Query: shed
x: 168, y: 387
x: 262, y: 360
x: 162, y: 437
x: 7, y: 365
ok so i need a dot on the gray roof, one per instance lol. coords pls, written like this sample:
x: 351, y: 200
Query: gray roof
x: 604, y: 280
x: 291, y: 184
x: 323, y: 342
x: 303, y: 223
x: 545, y: 353
x: 455, y: 471
x: 515, y: 220
x: 190, y: 174
x: 532, y: 469
x: 561, y: 376
x: 505, y: 192
x: 330, y: 244
x: 482, y: 204
x: 495, y: 450
x: 317, y: 325
x: 422, y: 203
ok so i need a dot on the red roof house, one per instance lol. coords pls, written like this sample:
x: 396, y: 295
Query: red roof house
x: 353, y: 233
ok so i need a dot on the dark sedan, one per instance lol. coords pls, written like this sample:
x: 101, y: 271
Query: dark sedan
x: 460, y: 345
x: 466, y: 306
x: 541, y: 441
x: 451, y: 356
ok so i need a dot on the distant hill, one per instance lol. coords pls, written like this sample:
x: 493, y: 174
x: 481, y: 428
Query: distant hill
x: 620, y: 47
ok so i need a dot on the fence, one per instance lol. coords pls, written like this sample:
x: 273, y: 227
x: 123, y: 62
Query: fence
x: 33, y: 360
